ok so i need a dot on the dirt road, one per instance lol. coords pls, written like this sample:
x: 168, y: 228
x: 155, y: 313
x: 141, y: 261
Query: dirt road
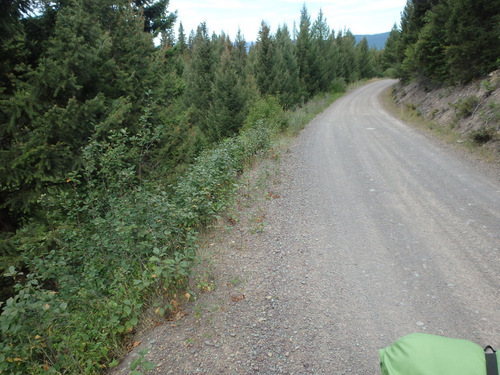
x: 373, y: 232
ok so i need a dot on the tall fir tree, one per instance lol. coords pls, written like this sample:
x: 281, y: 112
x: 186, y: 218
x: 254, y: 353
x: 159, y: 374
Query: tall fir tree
x: 229, y: 107
x: 181, y: 40
x: 199, y: 76
x: 304, y: 52
x: 427, y: 56
x: 348, y: 62
x: 96, y: 67
x: 364, y: 60
x: 473, y: 38
x: 319, y: 70
x: 391, y: 59
x: 264, y: 60
x: 286, y: 81
x: 241, y: 53
x: 333, y: 60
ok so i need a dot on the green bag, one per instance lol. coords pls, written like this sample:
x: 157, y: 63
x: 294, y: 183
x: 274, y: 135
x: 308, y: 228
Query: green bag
x: 423, y: 354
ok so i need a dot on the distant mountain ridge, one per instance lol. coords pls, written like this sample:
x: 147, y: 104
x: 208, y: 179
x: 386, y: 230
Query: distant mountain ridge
x: 375, y: 40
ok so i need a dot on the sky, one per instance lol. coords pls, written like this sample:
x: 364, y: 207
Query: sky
x: 362, y: 17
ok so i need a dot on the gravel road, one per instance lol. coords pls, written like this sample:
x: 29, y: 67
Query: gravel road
x: 373, y: 231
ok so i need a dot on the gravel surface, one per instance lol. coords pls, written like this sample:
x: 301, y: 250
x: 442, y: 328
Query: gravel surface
x: 368, y: 231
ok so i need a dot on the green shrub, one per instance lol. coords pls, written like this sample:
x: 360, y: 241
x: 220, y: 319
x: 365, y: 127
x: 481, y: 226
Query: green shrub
x: 338, y: 85
x: 487, y: 85
x: 482, y: 135
x: 495, y: 108
x: 466, y: 107
x: 268, y: 112
x: 107, y: 244
x: 110, y: 241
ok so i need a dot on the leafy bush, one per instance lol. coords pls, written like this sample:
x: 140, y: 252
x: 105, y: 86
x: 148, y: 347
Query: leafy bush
x: 268, y: 112
x: 110, y: 242
x: 338, y: 85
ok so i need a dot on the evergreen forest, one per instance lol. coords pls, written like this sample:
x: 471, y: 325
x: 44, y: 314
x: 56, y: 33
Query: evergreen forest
x: 444, y: 41
x: 121, y: 135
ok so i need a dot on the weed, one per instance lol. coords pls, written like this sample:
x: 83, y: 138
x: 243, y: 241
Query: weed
x: 495, y: 108
x: 234, y: 281
x: 466, y: 107
x: 410, y: 106
x: 197, y: 311
x: 141, y: 366
x: 483, y: 135
x: 487, y: 85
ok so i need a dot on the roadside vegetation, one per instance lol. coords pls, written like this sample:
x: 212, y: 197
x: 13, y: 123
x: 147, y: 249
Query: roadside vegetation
x: 447, y: 57
x: 116, y: 152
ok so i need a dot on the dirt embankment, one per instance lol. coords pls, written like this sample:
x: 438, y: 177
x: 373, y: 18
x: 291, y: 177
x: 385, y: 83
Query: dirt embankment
x: 472, y: 110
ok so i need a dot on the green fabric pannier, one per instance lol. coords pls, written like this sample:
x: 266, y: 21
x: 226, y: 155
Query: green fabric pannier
x: 423, y: 354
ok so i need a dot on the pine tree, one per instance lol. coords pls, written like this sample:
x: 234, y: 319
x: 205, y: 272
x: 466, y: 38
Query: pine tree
x: 157, y: 19
x: 472, y: 38
x: 304, y: 51
x: 199, y: 76
x: 229, y: 108
x: 181, y: 40
x: 241, y: 54
x: 364, y: 60
x: 390, y: 58
x: 96, y: 67
x: 333, y: 60
x: 427, y: 56
x: 264, y: 60
x: 286, y: 80
x: 348, y: 62
x: 320, y: 32
x: 412, y: 21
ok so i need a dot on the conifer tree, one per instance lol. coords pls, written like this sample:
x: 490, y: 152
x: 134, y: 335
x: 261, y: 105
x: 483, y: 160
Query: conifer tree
x: 472, y: 38
x: 391, y: 57
x: 348, y: 62
x: 286, y: 81
x: 304, y: 50
x: 199, y: 76
x: 364, y: 60
x: 96, y: 67
x: 241, y: 54
x: 412, y: 21
x: 333, y: 61
x: 157, y: 19
x: 264, y: 60
x: 453, y: 41
x: 320, y: 74
x: 229, y: 107
x: 181, y: 40
x: 427, y: 56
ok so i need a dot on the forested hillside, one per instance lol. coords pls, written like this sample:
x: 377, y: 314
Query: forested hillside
x: 445, y: 41
x: 115, y: 150
x: 374, y: 40
x: 447, y: 54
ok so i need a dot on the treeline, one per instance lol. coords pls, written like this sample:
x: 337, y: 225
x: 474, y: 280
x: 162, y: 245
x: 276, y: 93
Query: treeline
x: 450, y: 41
x: 114, y: 149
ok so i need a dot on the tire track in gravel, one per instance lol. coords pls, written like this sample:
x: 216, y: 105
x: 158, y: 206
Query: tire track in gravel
x: 408, y: 237
x: 377, y: 232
